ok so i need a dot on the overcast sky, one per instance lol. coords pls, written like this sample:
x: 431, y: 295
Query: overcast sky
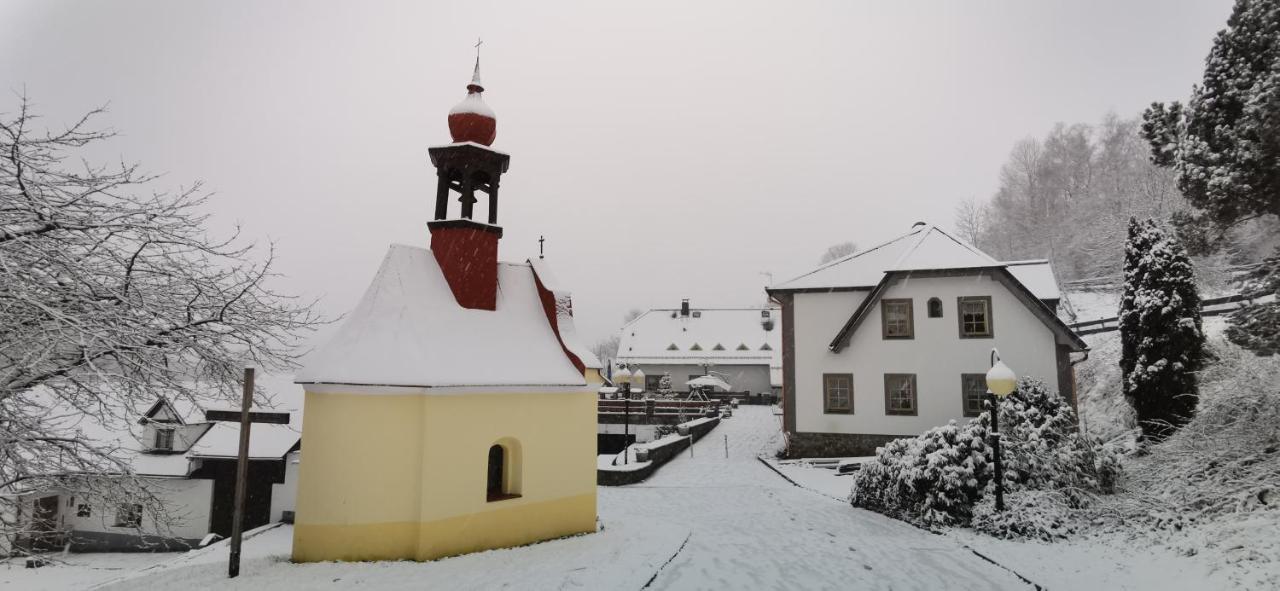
x: 665, y: 150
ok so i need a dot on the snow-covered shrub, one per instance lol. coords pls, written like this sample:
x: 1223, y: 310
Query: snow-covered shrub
x: 939, y: 477
x: 1044, y: 450
x: 933, y: 479
x: 1031, y: 514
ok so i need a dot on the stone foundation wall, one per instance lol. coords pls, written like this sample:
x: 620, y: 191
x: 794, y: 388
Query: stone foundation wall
x: 835, y: 445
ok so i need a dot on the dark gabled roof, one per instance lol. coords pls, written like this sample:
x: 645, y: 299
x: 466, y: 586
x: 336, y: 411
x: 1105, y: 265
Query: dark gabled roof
x: 1000, y: 273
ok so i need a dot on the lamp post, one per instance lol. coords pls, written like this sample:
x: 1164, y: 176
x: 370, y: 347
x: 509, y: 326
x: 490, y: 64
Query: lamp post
x: 1000, y: 382
x: 622, y: 379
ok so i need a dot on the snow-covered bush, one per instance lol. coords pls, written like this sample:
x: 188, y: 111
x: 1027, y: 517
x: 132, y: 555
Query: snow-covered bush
x: 1044, y: 450
x: 939, y: 477
x: 934, y: 479
x: 1032, y: 514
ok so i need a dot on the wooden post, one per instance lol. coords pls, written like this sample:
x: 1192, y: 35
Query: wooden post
x: 242, y: 475
x: 726, y: 446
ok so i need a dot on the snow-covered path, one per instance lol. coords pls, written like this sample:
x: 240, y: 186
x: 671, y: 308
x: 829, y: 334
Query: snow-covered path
x: 706, y: 522
x: 747, y: 528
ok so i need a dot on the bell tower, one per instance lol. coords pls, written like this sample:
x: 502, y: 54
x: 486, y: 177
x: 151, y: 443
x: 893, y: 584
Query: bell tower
x: 467, y: 250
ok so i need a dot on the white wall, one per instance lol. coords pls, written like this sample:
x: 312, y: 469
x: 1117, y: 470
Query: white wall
x: 283, y: 496
x: 936, y: 355
x: 188, y: 500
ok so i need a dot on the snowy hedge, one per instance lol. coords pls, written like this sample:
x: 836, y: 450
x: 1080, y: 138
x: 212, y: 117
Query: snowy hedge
x: 940, y: 477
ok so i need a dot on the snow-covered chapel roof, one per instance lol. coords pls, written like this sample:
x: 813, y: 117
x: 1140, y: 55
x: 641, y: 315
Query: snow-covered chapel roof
x: 408, y: 330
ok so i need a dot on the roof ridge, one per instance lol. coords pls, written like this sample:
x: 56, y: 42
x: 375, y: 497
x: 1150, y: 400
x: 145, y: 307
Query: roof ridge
x: 849, y: 257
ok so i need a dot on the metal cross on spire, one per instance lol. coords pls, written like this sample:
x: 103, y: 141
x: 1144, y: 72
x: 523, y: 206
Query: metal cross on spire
x: 541, y: 239
x: 475, y: 77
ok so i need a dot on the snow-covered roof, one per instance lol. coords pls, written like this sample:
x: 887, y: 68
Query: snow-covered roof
x: 564, y: 314
x: 221, y: 439
x: 408, y: 330
x: 726, y: 336
x: 1037, y: 276
x: 266, y: 441
x: 924, y: 247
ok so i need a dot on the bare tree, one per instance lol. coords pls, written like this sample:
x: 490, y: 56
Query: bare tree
x: 112, y: 294
x: 606, y: 349
x: 837, y: 251
x: 969, y: 220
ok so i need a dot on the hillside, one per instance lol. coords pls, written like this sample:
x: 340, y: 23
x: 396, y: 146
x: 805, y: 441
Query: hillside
x: 1212, y: 488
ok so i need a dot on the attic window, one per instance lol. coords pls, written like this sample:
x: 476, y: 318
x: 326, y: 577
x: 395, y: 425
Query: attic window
x: 743, y: 347
x: 697, y: 314
x: 766, y: 347
x: 673, y: 347
x: 164, y: 439
x: 718, y: 347
x: 695, y: 347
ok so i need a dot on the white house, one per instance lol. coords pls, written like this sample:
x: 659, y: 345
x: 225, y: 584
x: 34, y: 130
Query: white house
x: 189, y: 464
x: 741, y: 345
x: 893, y: 340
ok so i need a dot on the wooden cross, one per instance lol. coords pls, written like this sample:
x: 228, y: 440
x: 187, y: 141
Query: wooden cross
x: 479, y: 42
x: 541, y: 239
x: 246, y: 419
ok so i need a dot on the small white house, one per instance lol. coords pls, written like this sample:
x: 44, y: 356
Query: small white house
x: 189, y: 463
x: 740, y: 345
x: 893, y: 340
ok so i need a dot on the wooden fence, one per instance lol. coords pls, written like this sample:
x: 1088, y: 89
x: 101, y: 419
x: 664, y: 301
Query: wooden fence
x: 1209, y: 307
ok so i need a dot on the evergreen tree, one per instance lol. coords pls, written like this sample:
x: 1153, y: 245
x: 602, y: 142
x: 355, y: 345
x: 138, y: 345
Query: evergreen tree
x: 1225, y: 142
x: 1224, y: 145
x: 1161, y: 335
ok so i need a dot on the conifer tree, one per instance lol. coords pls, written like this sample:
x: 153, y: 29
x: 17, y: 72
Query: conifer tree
x: 1224, y: 145
x: 1161, y: 334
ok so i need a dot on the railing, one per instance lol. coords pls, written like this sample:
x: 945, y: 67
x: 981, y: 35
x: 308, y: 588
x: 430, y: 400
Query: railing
x: 1209, y: 307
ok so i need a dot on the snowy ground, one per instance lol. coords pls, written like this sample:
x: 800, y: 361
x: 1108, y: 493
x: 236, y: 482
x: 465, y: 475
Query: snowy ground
x: 701, y: 522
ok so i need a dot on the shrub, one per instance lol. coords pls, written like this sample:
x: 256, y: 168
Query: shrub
x: 1030, y: 514
x: 933, y: 479
x: 939, y: 477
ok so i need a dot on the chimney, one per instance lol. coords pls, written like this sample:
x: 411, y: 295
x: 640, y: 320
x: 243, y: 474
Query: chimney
x: 467, y: 252
x: 684, y: 308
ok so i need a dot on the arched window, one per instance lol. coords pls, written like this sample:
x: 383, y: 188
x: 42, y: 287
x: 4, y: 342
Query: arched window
x: 935, y: 308
x: 497, y: 461
x: 503, y: 473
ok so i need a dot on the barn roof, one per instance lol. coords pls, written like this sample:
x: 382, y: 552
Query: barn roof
x: 725, y: 336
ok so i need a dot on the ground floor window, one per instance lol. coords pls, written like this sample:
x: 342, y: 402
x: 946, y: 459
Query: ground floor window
x: 973, y: 390
x: 129, y: 515
x: 83, y: 510
x: 900, y: 394
x: 837, y: 393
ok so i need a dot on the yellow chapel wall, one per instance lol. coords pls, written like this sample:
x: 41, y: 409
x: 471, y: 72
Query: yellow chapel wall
x: 403, y: 476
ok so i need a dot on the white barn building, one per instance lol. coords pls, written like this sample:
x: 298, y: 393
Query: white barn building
x: 893, y: 340
x: 740, y: 345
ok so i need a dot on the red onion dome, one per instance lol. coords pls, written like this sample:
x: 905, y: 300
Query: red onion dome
x: 472, y: 120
